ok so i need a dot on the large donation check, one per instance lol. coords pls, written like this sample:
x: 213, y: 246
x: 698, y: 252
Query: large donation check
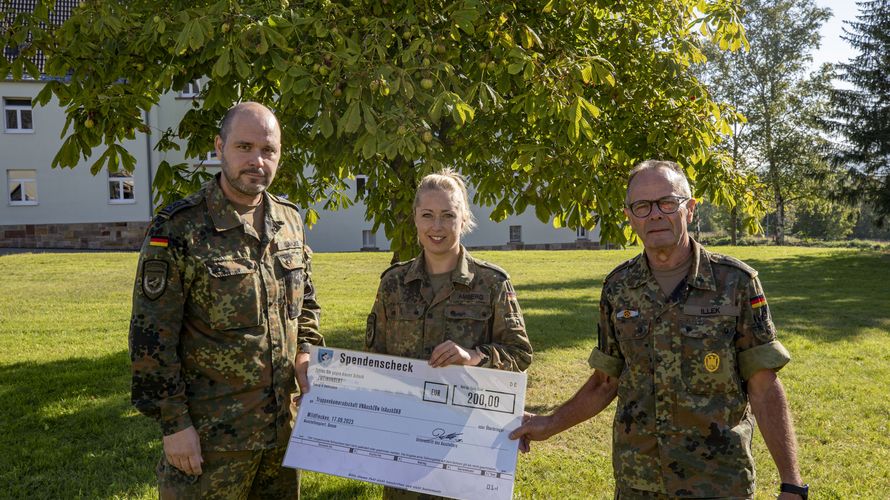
x: 398, y: 422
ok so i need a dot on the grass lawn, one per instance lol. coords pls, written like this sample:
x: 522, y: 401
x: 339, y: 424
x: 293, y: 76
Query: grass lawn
x: 67, y: 429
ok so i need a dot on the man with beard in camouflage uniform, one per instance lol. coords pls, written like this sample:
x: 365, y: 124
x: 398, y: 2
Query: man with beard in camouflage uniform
x: 223, y: 313
x: 687, y: 344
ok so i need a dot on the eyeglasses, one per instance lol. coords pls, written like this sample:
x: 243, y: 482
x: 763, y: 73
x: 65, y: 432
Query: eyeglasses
x: 667, y: 205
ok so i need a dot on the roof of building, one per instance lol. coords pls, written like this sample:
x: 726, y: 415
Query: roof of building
x: 12, y: 8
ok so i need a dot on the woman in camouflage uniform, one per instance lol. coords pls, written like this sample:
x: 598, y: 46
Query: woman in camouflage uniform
x: 446, y: 306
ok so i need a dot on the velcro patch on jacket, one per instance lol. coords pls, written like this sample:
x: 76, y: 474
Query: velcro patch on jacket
x: 154, y: 278
x: 279, y: 245
x: 711, y: 310
x: 627, y: 314
x: 158, y: 242
x: 470, y: 297
x: 758, y: 302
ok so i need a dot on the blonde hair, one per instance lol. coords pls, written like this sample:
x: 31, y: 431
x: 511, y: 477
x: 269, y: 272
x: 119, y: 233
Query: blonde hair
x: 451, y: 182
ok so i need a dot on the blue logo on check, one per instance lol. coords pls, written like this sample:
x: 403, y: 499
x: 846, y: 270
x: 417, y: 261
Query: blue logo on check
x: 325, y: 356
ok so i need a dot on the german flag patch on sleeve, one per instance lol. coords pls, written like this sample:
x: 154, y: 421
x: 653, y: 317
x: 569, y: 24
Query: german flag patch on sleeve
x: 159, y: 242
x: 758, y: 301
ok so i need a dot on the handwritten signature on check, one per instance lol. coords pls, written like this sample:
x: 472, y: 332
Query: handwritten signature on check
x: 440, y: 433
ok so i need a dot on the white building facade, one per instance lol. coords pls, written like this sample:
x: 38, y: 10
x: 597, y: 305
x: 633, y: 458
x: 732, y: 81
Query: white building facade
x: 71, y: 208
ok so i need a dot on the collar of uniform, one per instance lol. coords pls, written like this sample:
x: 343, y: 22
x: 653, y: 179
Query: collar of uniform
x: 222, y: 213
x: 274, y: 214
x: 465, y: 269
x: 463, y: 273
x: 638, y: 272
x: 701, y: 275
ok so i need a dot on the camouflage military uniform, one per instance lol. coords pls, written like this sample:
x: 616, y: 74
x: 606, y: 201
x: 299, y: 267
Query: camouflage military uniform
x: 477, y: 309
x: 218, y: 314
x: 683, y: 425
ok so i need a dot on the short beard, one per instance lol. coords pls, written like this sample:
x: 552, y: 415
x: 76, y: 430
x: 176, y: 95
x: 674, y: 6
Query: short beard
x: 238, y: 185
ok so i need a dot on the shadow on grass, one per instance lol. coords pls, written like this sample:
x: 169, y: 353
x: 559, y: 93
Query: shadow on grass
x: 68, y: 430
x: 561, y: 314
x: 827, y: 298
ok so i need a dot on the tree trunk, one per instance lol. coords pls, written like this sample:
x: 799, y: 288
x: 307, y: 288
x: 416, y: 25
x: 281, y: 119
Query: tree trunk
x: 734, y: 226
x: 780, y: 218
x: 403, y: 236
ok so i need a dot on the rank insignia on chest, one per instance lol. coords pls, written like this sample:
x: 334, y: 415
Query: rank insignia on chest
x: 712, y: 362
x: 627, y: 314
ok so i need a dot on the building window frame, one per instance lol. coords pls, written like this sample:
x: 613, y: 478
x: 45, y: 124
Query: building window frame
x: 369, y: 239
x: 361, y: 184
x: 19, y: 109
x: 117, y: 192
x: 211, y: 159
x: 191, y: 90
x: 516, y: 234
x: 21, y: 183
x: 582, y: 234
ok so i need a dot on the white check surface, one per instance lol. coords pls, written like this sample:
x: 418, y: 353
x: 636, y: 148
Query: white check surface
x: 397, y: 422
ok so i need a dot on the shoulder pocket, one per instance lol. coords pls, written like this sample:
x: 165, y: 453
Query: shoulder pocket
x: 291, y: 260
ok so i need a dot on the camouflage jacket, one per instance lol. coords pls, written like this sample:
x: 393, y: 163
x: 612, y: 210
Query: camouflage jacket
x: 218, y: 313
x: 683, y: 426
x: 477, y: 309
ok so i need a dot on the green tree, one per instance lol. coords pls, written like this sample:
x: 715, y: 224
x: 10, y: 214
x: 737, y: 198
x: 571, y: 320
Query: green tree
x: 543, y: 103
x: 823, y: 221
x: 768, y: 85
x: 861, y: 114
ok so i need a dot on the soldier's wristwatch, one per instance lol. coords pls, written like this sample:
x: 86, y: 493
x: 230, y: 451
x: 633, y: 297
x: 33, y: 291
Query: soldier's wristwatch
x: 304, y: 347
x: 484, y: 360
x: 803, y: 491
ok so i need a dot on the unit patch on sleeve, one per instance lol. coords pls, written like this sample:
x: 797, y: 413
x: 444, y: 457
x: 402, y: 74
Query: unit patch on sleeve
x: 154, y: 278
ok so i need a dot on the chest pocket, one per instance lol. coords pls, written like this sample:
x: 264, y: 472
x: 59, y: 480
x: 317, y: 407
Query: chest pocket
x: 709, y: 358
x: 467, y: 324
x: 293, y: 270
x: 404, y: 331
x: 632, y: 334
x: 233, y: 293
x: 407, y: 311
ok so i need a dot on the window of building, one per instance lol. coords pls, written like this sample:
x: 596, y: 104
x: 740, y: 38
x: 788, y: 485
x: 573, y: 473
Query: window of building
x: 515, y: 234
x: 19, y: 118
x: 22, y: 187
x: 191, y: 90
x: 120, y: 187
x: 369, y: 239
x: 360, y: 182
x: 211, y: 158
x: 581, y: 233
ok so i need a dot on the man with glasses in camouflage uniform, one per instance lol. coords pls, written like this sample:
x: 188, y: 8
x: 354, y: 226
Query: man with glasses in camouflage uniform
x: 687, y: 344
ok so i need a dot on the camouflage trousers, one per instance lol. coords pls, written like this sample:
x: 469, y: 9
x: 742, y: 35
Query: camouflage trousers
x: 232, y: 475
x: 632, y: 494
